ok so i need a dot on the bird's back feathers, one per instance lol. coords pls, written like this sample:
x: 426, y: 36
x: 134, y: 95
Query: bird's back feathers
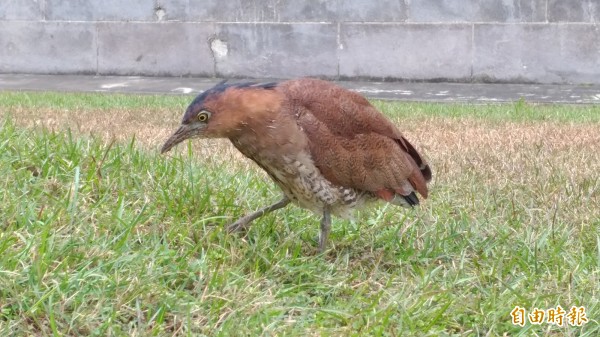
x: 352, y: 143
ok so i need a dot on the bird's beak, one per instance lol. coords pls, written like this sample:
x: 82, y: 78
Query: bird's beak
x: 180, y: 135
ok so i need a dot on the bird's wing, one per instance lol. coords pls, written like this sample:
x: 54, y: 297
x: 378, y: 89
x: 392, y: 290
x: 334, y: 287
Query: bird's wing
x: 352, y: 143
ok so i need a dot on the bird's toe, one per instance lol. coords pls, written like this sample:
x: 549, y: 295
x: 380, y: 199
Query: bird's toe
x: 237, y: 226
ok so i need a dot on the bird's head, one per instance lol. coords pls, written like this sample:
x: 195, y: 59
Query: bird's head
x: 222, y: 110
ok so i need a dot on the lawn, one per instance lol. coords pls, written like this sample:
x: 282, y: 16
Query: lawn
x: 102, y: 236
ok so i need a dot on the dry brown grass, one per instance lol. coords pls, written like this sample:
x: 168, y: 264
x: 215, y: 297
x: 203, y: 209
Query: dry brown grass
x: 149, y: 127
x: 551, y: 166
x: 555, y: 163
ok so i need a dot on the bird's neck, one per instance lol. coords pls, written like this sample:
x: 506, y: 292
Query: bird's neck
x: 246, y: 110
x: 273, y: 136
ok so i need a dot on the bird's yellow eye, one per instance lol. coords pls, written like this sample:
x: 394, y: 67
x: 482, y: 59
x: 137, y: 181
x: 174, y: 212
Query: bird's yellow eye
x: 203, y: 116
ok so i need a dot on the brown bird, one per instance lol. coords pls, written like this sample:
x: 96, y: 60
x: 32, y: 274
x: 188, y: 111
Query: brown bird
x: 326, y: 147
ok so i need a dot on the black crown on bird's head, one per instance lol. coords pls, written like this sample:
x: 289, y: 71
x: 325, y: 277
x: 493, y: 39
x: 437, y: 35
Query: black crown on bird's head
x: 198, y: 102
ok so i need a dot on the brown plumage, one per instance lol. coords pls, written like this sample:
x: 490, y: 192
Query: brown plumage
x: 327, y: 148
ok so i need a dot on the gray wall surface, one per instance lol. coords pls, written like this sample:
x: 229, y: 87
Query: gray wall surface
x: 543, y: 41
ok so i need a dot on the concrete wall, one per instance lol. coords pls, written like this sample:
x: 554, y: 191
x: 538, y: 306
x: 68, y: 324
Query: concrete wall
x: 546, y: 41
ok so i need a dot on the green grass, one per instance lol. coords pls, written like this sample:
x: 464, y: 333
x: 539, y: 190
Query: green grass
x: 54, y: 100
x: 519, y: 111
x: 107, y: 238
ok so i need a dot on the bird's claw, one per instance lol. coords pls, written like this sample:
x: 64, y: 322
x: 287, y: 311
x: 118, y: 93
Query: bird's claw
x: 237, y: 226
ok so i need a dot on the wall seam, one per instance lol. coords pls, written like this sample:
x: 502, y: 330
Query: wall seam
x: 338, y: 49
x: 97, y: 32
x: 472, y: 52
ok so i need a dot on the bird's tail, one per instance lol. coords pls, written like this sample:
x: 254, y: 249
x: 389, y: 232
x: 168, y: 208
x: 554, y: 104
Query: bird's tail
x: 410, y: 200
x: 399, y: 199
x: 414, y: 154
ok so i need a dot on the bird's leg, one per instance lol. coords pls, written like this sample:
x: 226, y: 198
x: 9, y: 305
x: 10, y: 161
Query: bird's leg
x: 244, y: 222
x: 325, y: 228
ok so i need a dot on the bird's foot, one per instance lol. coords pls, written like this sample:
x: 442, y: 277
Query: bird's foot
x: 244, y: 222
x: 238, y: 226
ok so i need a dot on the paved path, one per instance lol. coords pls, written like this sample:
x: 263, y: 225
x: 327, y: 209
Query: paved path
x: 428, y: 92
